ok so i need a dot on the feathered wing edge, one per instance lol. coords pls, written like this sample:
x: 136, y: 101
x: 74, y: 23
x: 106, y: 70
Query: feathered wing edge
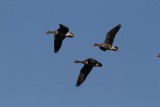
x: 83, y: 74
x: 111, y: 34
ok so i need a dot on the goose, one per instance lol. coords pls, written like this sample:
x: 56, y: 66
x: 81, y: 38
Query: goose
x: 107, y: 44
x: 60, y: 34
x: 158, y: 55
x: 86, y: 69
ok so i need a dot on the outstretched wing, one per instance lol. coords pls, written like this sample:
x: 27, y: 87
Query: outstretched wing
x: 83, y: 74
x: 57, y: 43
x: 111, y: 35
x: 63, y: 29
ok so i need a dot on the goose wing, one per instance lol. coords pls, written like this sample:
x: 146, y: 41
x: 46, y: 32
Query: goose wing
x: 63, y: 29
x: 83, y: 74
x: 57, y: 43
x: 111, y: 35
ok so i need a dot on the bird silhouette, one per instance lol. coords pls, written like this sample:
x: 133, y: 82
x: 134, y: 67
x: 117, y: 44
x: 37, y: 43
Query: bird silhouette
x: 86, y: 69
x: 59, y: 35
x: 107, y: 44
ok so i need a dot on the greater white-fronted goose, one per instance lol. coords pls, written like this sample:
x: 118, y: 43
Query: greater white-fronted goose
x: 86, y: 69
x: 60, y: 34
x: 107, y: 44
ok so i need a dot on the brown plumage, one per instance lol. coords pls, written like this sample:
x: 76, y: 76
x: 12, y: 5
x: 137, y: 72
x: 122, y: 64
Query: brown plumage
x: 107, y: 44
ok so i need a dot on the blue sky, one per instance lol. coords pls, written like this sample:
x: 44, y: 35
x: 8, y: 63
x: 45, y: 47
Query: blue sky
x: 31, y: 75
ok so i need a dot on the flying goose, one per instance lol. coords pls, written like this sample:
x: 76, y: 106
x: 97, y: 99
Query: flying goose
x: 60, y: 34
x: 107, y: 44
x: 88, y: 65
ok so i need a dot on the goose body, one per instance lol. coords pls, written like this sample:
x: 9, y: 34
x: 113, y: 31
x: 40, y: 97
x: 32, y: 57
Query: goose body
x: 107, y: 44
x: 60, y: 34
x: 86, y: 69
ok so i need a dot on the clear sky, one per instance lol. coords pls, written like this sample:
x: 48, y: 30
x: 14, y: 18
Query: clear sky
x: 31, y: 75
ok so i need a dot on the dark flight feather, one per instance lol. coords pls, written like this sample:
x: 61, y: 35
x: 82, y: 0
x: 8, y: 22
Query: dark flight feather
x: 83, y: 74
x: 57, y: 43
x: 111, y: 35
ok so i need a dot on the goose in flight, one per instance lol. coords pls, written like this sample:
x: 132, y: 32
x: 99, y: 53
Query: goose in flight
x: 59, y: 35
x: 86, y: 69
x: 107, y: 44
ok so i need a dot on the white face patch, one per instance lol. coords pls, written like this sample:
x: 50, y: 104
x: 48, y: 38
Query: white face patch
x: 69, y: 34
x: 97, y: 64
x: 113, y: 48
